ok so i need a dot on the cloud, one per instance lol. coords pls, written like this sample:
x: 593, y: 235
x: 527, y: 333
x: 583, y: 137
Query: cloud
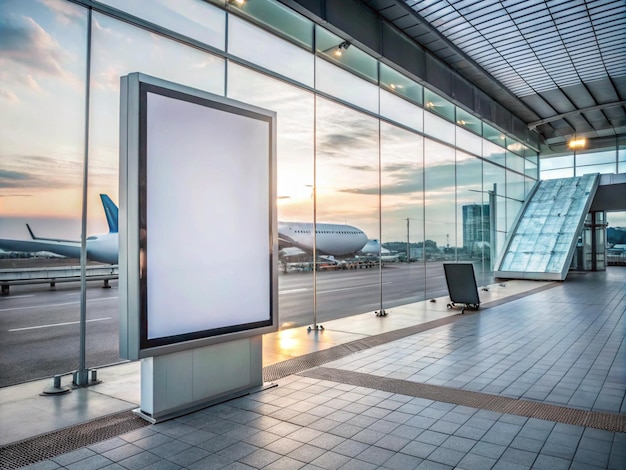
x: 9, y: 96
x: 64, y: 12
x: 30, y: 81
x: 24, y: 42
x: 33, y: 172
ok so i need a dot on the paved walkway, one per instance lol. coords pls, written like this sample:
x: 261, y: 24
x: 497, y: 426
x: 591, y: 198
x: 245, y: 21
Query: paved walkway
x: 535, y: 379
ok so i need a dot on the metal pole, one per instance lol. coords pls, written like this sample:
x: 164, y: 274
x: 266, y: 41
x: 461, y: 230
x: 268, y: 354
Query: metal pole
x: 408, y: 243
x: 81, y: 375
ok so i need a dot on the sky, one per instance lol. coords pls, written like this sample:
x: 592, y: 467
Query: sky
x: 42, y: 141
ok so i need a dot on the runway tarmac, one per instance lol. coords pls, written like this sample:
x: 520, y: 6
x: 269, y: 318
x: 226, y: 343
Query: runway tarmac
x: 39, y: 327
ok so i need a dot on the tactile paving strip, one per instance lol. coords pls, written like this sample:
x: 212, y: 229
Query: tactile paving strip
x: 47, y: 446
x: 559, y: 414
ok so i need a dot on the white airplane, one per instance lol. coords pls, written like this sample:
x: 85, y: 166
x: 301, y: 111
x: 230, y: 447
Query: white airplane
x: 102, y: 248
x: 373, y: 248
x: 332, y: 239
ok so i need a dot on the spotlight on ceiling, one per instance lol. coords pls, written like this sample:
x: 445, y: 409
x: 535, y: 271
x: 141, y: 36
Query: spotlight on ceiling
x: 577, y: 143
x: 338, y: 52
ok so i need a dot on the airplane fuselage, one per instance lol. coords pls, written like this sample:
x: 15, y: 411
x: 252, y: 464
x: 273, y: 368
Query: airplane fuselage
x: 331, y: 239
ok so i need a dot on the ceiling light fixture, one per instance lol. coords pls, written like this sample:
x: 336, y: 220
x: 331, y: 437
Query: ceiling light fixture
x: 577, y: 143
x: 338, y: 52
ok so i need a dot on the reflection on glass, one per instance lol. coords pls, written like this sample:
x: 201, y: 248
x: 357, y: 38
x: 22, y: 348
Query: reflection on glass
x: 515, y: 186
x: 609, y: 168
x: 513, y: 145
x: 530, y: 168
x: 294, y: 108
x: 111, y: 58
x: 345, y: 86
x: 439, y: 211
x: 515, y: 162
x: 468, y: 121
x: 468, y: 141
x: 197, y: 20
x: 438, y: 105
x: 42, y: 149
x: 345, y: 54
x: 401, y: 111
x: 494, y: 185
x: 251, y: 43
x: 494, y: 152
x: 402, y: 212
x: 472, y: 214
x: 595, y: 158
x: 347, y: 189
x: 559, y: 173
x: 439, y: 128
x: 493, y: 135
x: 397, y: 83
x: 279, y: 18
x: 43, y: 72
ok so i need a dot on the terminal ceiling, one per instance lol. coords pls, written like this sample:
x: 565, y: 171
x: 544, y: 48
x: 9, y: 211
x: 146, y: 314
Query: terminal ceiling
x: 559, y: 65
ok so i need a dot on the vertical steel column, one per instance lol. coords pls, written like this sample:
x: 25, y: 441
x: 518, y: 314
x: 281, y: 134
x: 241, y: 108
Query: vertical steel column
x: 81, y: 375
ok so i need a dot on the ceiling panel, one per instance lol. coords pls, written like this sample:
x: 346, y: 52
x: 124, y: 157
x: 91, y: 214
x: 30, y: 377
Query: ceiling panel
x: 542, y: 58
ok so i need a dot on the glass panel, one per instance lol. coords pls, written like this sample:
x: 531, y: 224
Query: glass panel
x: 400, y: 85
x: 343, y: 53
x: 346, y: 86
x: 513, y: 145
x: 559, y: 173
x: 402, y: 209
x: 530, y: 169
x: 111, y: 57
x: 515, y: 162
x: 278, y: 18
x: 493, y: 135
x: 438, y: 105
x: 515, y: 186
x: 42, y: 150
x: 595, y: 158
x: 259, y: 47
x: 439, y: 128
x: 468, y: 121
x: 494, y: 189
x: 469, y: 141
x: 400, y: 110
x: 494, y: 152
x: 295, y: 109
x: 347, y: 188
x: 194, y: 19
x: 439, y: 210
x: 609, y: 168
x: 552, y: 163
x: 473, y: 216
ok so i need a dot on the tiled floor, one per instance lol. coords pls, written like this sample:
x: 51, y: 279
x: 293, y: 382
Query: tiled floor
x: 564, y: 346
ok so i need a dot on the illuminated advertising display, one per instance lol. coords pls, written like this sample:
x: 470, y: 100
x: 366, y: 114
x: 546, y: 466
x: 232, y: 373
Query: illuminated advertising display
x: 198, y: 243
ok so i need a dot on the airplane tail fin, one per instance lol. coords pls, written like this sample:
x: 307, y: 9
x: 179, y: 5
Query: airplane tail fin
x: 110, y: 210
x: 32, y: 235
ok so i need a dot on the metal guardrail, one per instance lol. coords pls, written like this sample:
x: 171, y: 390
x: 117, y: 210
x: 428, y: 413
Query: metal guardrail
x: 52, y: 275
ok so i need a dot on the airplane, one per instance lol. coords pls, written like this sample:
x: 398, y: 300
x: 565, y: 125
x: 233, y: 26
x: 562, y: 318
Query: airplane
x: 332, y: 239
x: 102, y: 248
x: 374, y: 249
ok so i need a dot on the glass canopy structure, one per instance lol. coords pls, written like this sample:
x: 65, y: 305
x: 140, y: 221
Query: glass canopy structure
x: 542, y: 243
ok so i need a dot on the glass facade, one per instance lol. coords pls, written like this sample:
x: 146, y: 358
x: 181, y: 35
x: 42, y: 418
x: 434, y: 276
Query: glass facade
x: 360, y: 145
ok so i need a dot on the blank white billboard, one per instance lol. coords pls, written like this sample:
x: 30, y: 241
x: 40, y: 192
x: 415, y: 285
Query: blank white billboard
x: 197, y: 174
